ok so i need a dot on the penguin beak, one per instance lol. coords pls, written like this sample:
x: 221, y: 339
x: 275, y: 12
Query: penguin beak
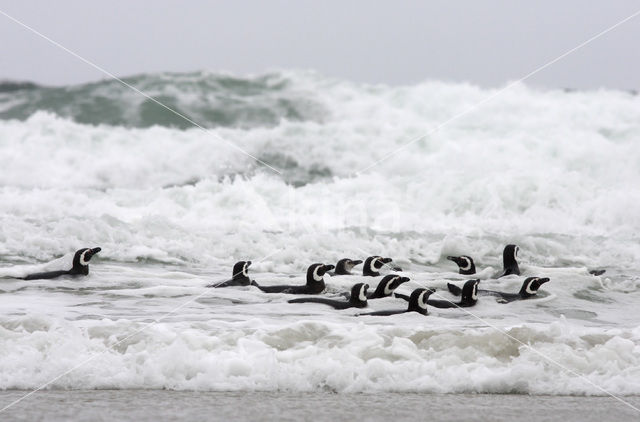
x: 248, y: 264
x: 457, y: 260
x: 386, y: 260
x: 91, y: 252
x: 403, y: 279
x: 329, y: 267
x: 543, y: 280
x: 356, y: 262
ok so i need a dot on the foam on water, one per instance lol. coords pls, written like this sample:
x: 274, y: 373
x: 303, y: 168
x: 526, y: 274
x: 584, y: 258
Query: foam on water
x: 174, y: 207
x: 242, y: 339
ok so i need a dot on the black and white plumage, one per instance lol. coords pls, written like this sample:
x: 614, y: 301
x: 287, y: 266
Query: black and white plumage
x: 417, y: 303
x: 315, y: 282
x: 469, y: 297
x: 345, y: 265
x: 528, y: 290
x: 373, y: 265
x: 510, y: 260
x: 469, y: 294
x: 387, y: 285
x: 239, y: 276
x: 357, y: 299
x: 466, y: 266
x: 80, y: 266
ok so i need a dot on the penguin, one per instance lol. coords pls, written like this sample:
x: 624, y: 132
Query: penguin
x: 373, y: 264
x: 344, y: 266
x: 509, y: 260
x: 417, y: 303
x: 239, y: 276
x: 528, y: 290
x: 387, y: 285
x: 315, y: 282
x: 80, y: 266
x: 469, y: 297
x: 465, y: 264
x: 358, y: 299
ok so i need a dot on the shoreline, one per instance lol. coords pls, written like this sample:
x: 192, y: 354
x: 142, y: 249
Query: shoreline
x: 151, y: 405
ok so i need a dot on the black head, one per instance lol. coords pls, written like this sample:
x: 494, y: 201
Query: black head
x: 359, y: 295
x: 470, y: 292
x: 388, y: 284
x: 373, y: 264
x: 418, y: 300
x: 316, y: 272
x: 81, y: 260
x: 510, y: 260
x: 531, y: 285
x: 241, y: 270
x: 465, y: 264
x: 344, y: 266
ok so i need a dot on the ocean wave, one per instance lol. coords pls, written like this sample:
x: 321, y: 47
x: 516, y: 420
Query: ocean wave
x: 211, y: 100
x: 361, y: 170
x: 320, y: 356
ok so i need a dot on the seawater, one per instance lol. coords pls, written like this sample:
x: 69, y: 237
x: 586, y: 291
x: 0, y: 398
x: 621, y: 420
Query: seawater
x: 174, y: 206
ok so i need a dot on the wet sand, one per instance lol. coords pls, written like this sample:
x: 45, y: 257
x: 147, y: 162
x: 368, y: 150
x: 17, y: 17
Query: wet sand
x: 153, y: 405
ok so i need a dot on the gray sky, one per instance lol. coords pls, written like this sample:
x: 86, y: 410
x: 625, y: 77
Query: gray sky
x: 394, y: 42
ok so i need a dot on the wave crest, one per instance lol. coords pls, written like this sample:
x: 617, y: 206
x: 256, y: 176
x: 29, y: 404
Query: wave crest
x: 211, y: 100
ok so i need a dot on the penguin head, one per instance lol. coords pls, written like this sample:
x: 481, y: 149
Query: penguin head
x: 241, y: 270
x: 344, y: 266
x: 510, y: 256
x: 359, y: 294
x: 316, y: 272
x: 470, y: 291
x: 373, y: 264
x: 81, y: 260
x: 531, y: 285
x: 389, y: 283
x: 465, y: 263
x: 418, y: 300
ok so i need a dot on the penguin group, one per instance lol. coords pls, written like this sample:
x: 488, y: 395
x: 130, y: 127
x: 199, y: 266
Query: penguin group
x: 418, y: 301
x: 373, y: 266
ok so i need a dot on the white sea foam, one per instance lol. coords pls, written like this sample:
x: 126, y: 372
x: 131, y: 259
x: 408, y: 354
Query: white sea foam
x: 405, y: 353
x: 173, y: 209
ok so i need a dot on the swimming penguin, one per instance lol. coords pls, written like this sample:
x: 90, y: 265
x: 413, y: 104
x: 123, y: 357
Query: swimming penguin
x: 465, y: 264
x: 358, y: 299
x: 344, y: 266
x: 509, y: 260
x: 417, y: 303
x: 469, y: 297
x: 528, y: 290
x: 239, y: 276
x: 314, y: 286
x: 373, y: 264
x: 80, y: 266
x: 387, y: 285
